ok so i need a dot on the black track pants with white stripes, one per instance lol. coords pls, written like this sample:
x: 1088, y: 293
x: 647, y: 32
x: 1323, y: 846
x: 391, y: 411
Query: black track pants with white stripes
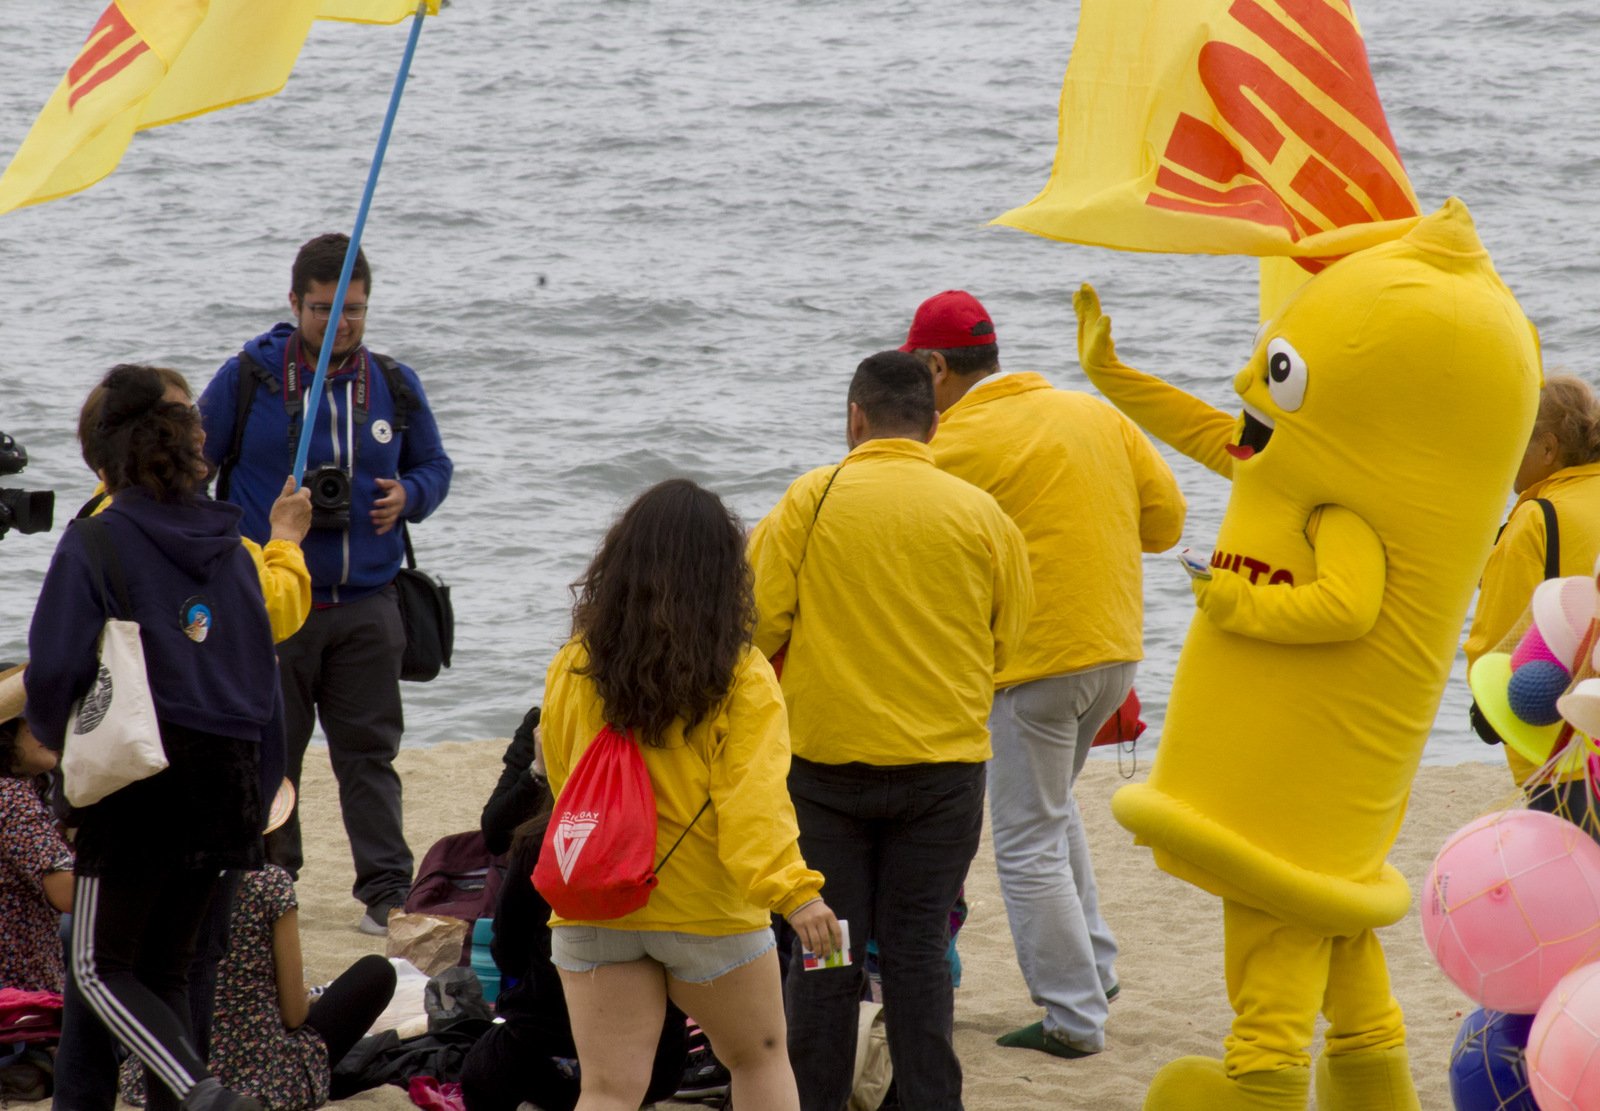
x: 133, y: 940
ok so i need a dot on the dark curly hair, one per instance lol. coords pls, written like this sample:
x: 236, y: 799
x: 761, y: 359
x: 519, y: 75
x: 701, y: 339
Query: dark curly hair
x: 666, y: 609
x: 133, y: 436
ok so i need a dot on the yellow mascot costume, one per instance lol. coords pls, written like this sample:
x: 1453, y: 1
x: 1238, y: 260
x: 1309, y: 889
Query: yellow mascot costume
x: 1386, y: 408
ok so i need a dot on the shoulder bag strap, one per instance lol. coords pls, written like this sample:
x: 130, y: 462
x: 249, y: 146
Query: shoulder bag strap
x: 815, y: 513
x: 103, y: 558
x: 404, y: 399
x: 1552, y: 539
x: 411, y: 556
x: 250, y: 372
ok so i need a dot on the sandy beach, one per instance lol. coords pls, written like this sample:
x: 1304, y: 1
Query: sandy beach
x: 1172, y: 1000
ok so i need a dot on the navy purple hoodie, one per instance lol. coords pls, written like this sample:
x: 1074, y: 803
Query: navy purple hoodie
x: 196, y: 595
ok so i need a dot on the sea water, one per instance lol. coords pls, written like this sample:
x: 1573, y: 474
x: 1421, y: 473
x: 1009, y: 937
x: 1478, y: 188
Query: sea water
x: 622, y: 240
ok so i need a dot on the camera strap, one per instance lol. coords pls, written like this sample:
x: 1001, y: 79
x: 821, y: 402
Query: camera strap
x: 252, y: 374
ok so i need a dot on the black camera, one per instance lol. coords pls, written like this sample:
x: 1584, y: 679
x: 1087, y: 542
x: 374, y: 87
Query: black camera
x: 23, y: 510
x: 330, y: 497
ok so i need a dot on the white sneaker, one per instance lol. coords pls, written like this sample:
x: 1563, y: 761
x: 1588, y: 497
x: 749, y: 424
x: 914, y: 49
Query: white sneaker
x: 375, y: 926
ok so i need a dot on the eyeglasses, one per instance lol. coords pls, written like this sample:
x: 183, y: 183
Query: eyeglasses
x: 352, y: 312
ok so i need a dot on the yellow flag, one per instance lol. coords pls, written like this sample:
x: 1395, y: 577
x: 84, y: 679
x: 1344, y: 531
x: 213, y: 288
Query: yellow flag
x: 1222, y: 127
x: 153, y: 62
x: 372, y: 11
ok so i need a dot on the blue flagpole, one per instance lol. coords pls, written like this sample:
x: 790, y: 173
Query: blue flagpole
x: 336, y: 314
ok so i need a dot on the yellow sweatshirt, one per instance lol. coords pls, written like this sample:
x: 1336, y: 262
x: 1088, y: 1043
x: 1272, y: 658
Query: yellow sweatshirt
x: 285, y: 582
x: 741, y: 860
x: 1516, y: 565
x: 898, y: 607
x: 1089, y: 493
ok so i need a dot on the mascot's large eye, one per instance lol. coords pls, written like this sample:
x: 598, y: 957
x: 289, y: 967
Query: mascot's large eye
x: 1286, y: 375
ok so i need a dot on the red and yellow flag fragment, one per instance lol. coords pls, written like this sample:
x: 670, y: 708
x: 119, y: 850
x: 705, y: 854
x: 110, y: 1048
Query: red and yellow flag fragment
x: 1222, y: 127
x: 153, y: 62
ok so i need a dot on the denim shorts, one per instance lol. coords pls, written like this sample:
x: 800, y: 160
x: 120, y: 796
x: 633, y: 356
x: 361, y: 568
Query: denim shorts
x: 692, y: 958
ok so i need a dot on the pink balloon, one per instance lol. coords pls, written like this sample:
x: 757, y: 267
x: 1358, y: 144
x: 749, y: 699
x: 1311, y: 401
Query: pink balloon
x: 1532, y: 647
x: 1564, y: 1045
x: 1512, y: 905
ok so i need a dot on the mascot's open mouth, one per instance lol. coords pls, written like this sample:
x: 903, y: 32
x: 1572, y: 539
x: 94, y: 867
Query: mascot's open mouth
x: 1253, y: 439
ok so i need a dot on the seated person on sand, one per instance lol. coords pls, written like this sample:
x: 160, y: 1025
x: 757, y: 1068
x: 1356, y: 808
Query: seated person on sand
x: 531, y: 1057
x: 35, y: 861
x: 269, y: 1039
x: 35, y: 887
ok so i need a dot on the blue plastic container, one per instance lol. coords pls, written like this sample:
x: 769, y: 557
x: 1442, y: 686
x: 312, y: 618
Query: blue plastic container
x: 482, y: 961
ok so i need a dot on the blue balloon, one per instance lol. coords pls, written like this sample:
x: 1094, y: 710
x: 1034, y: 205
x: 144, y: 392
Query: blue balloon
x: 1533, y: 691
x: 1487, y: 1069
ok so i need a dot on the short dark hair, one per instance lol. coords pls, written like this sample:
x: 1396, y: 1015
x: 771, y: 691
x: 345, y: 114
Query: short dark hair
x: 666, y: 610
x: 131, y: 433
x: 982, y: 358
x: 895, y: 392
x: 322, y: 259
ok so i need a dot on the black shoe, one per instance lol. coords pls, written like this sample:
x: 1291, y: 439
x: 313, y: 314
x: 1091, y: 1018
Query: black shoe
x: 704, y: 1077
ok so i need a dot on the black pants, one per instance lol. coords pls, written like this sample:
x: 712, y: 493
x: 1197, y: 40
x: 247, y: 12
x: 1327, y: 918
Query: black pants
x: 351, y: 1004
x: 343, y: 667
x: 133, y: 941
x: 894, y: 844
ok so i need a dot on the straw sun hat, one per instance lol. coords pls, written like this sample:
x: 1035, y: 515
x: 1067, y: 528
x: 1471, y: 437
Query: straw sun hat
x: 12, y: 697
x: 282, y: 806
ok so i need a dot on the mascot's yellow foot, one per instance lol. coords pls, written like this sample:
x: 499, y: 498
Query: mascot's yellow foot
x: 1200, y: 1084
x: 1377, y: 1080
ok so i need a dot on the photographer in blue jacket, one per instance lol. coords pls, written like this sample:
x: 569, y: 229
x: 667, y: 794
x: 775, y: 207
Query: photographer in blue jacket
x: 375, y: 462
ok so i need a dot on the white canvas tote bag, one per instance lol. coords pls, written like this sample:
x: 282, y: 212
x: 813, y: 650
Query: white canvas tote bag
x: 112, y: 737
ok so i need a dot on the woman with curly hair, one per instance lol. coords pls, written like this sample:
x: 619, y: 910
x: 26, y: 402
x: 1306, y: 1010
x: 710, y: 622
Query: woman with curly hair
x: 661, y: 648
x: 149, y: 855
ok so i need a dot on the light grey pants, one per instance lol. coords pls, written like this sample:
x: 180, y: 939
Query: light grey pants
x: 1041, y: 733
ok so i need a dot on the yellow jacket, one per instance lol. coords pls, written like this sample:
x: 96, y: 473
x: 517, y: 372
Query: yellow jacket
x: 1089, y: 493
x: 285, y: 582
x: 898, y: 607
x: 1516, y: 565
x: 741, y: 860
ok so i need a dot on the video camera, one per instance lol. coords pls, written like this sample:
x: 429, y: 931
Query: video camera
x: 23, y: 510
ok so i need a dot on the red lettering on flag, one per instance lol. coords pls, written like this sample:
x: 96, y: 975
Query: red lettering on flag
x: 99, y: 61
x: 1241, y: 84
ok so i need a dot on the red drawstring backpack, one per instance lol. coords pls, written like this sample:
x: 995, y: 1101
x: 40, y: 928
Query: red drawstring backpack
x: 595, y: 862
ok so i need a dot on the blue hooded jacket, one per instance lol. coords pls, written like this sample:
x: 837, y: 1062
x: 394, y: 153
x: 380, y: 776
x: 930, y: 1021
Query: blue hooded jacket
x: 180, y: 562
x: 346, y: 564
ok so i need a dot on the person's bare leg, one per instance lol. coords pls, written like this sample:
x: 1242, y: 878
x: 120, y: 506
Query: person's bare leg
x: 616, y: 1012
x: 742, y: 1013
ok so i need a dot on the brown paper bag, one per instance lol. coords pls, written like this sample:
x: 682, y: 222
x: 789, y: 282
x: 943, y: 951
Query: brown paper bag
x: 432, y: 942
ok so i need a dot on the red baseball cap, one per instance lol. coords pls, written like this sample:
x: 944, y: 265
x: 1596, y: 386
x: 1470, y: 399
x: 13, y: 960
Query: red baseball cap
x: 953, y: 318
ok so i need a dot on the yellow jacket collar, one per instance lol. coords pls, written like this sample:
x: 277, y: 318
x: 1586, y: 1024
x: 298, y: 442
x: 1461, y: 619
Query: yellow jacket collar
x: 891, y: 447
x: 1560, y: 478
x: 1007, y: 386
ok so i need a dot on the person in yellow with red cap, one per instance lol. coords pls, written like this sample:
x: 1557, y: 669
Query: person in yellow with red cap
x: 1386, y: 407
x: 1089, y: 493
